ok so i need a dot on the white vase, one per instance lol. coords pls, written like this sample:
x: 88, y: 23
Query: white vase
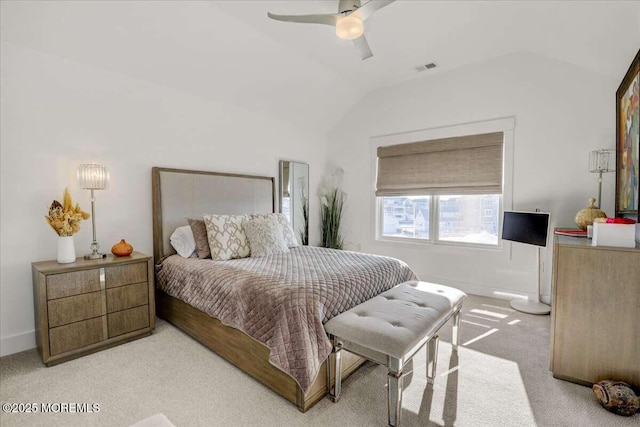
x: 66, y: 250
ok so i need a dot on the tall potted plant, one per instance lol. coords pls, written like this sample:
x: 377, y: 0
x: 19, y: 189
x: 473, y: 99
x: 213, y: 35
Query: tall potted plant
x: 303, y: 233
x: 332, y: 202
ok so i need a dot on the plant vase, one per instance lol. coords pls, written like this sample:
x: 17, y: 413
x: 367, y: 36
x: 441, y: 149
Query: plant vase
x: 66, y: 250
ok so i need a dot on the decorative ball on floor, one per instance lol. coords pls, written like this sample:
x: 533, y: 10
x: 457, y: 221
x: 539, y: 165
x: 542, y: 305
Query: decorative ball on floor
x: 616, y: 397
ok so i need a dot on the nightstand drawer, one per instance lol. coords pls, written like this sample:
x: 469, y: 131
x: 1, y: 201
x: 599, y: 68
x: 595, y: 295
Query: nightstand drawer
x: 126, y: 274
x: 76, y: 335
x: 75, y: 308
x: 130, y: 320
x: 124, y: 297
x: 72, y: 283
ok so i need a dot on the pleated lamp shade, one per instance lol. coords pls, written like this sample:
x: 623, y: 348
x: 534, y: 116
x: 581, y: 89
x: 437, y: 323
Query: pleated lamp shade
x: 92, y: 176
x: 602, y: 160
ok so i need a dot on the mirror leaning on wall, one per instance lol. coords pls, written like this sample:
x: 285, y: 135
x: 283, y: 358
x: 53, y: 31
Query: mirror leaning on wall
x: 294, y: 197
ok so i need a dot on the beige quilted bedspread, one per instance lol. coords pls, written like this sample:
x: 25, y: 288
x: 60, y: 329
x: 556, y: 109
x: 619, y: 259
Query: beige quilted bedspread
x: 283, y: 300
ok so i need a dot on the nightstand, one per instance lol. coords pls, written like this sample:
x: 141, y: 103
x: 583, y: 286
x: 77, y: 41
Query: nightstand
x: 90, y: 305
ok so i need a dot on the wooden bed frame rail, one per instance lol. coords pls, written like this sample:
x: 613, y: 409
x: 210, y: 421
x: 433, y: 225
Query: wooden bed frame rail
x: 246, y: 353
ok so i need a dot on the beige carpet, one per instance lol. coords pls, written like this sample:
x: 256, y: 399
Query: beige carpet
x: 500, y: 378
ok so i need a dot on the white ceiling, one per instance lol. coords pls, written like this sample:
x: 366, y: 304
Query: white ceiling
x: 231, y: 52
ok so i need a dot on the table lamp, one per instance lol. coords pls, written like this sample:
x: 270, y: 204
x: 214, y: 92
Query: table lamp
x: 92, y: 176
x: 602, y: 161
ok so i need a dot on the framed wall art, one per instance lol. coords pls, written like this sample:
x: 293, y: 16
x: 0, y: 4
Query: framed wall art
x: 628, y: 142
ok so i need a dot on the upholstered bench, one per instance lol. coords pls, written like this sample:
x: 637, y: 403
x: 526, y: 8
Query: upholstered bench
x: 390, y: 328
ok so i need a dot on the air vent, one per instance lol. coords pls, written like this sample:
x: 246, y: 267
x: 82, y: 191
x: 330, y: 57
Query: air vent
x: 426, y: 67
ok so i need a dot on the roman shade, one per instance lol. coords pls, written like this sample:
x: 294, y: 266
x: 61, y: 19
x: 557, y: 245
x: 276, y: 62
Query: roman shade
x: 461, y: 165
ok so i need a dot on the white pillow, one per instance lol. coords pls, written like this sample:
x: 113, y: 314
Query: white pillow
x: 287, y: 231
x: 183, y: 242
x: 265, y: 236
x: 227, y: 239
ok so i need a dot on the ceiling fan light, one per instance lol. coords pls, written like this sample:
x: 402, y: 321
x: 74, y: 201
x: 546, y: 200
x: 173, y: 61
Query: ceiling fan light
x: 350, y: 27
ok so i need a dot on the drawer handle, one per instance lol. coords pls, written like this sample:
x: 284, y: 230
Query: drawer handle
x: 103, y: 297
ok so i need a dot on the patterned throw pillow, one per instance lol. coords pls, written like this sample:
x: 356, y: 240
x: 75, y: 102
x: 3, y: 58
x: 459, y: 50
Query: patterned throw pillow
x: 287, y: 232
x: 265, y: 236
x: 226, y: 236
x: 200, y: 236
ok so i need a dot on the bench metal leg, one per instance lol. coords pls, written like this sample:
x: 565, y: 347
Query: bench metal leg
x: 432, y: 358
x: 334, y: 368
x: 394, y: 392
x: 455, y: 338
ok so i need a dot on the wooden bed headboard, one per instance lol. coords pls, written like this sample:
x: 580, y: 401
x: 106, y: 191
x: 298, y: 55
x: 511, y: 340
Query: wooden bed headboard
x: 179, y: 194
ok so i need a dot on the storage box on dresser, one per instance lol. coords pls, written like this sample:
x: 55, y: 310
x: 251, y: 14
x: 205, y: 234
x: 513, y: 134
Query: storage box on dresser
x: 595, y: 313
x: 89, y: 305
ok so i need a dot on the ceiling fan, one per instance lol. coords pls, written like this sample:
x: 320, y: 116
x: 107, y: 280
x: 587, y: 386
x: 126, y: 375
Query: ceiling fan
x: 348, y: 21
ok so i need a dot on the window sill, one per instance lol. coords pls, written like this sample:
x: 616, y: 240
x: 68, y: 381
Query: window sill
x: 399, y: 241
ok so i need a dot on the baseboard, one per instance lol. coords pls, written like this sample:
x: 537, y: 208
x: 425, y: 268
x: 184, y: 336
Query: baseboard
x: 483, y: 290
x: 17, y: 343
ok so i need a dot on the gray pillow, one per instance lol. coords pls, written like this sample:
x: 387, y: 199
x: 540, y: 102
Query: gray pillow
x: 265, y: 236
x: 200, y: 236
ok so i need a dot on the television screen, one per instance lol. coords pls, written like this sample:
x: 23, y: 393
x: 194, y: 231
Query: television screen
x: 526, y: 227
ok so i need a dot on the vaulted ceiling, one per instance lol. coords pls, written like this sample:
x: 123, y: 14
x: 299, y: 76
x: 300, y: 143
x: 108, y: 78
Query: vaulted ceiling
x: 229, y: 51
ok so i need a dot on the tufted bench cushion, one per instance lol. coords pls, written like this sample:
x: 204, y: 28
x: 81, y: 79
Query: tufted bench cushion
x: 396, y: 321
x: 390, y: 329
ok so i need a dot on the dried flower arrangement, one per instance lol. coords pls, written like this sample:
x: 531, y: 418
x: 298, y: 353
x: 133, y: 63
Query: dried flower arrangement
x: 65, y: 218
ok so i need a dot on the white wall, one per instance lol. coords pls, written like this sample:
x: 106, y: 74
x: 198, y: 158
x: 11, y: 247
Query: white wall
x: 561, y: 111
x: 56, y: 114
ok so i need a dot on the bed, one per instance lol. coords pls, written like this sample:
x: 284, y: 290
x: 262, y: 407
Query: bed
x: 265, y: 315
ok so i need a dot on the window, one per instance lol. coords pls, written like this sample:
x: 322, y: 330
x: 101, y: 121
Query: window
x: 460, y: 219
x: 406, y: 217
x: 466, y: 221
x: 447, y: 190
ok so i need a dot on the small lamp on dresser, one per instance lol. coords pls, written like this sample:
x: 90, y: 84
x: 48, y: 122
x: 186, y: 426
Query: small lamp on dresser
x: 601, y: 161
x: 92, y: 176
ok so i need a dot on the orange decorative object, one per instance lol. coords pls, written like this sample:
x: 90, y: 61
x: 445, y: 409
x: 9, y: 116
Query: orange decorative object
x: 122, y: 248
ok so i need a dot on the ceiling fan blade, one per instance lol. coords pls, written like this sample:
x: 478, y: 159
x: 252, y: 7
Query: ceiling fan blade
x: 363, y: 47
x: 367, y: 9
x: 326, y: 19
